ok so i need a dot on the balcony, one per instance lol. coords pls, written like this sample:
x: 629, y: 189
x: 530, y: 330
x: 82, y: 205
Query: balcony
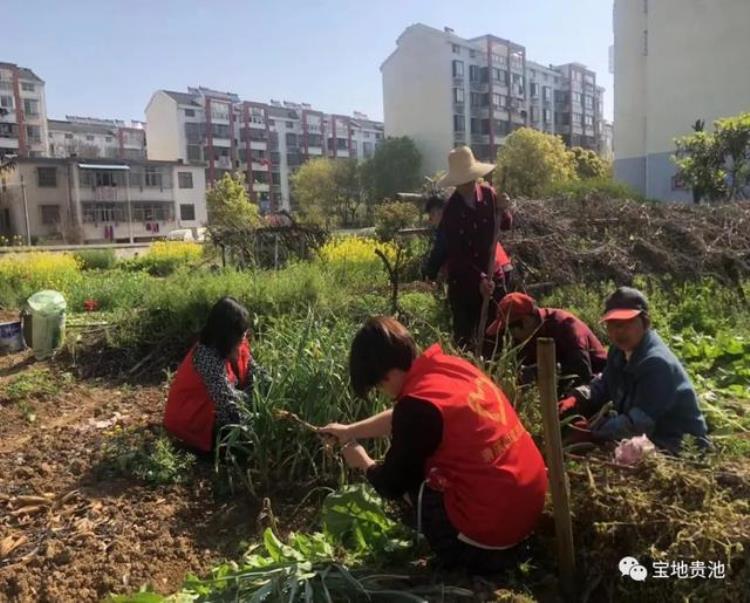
x: 458, y: 80
x: 480, y: 139
x: 261, y: 187
x: 459, y: 108
x: 224, y: 163
x: 314, y: 150
x: 460, y: 137
x: 221, y: 142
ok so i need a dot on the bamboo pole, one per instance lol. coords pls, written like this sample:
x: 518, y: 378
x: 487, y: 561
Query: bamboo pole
x: 547, y: 382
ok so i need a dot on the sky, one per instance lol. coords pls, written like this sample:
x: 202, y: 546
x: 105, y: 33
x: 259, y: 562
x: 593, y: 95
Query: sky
x: 105, y: 58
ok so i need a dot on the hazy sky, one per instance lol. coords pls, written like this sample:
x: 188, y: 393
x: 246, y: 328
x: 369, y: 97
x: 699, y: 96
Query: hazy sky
x: 104, y: 58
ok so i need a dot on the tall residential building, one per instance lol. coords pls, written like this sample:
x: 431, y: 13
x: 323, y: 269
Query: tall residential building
x: 91, y: 137
x: 443, y: 90
x: 23, y: 112
x: 676, y: 61
x: 74, y: 200
x: 266, y: 141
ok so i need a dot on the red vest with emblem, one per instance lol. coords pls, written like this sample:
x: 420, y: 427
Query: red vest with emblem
x: 190, y: 411
x: 491, y: 473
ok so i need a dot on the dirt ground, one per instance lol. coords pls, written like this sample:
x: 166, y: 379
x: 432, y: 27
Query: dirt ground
x: 82, y: 537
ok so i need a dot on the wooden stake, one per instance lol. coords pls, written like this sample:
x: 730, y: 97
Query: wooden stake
x: 547, y: 382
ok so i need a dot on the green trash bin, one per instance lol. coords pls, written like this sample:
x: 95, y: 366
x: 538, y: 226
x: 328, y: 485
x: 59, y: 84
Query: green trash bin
x: 44, y: 323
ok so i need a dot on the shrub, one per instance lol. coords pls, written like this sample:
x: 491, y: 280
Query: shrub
x: 112, y: 290
x: 96, y: 259
x: 531, y: 162
x: 588, y: 164
x: 599, y: 188
x: 393, y: 216
x: 164, y: 257
x: 22, y: 274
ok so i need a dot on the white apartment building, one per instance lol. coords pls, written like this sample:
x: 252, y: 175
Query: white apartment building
x: 75, y: 200
x: 23, y: 112
x: 267, y: 141
x: 675, y: 62
x: 442, y: 90
x: 91, y: 137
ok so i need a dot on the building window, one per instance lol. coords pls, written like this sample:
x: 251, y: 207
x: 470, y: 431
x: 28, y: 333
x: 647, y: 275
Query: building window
x: 185, y: 180
x: 456, y: 49
x: 290, y: 124
x: 50, y: 214
x: 459, y: 125
x: 534, y: 114
x: 458, y: 95
x: 189, y: 112
x: 545, y: 93
x: 27, y: 87
x: 194, y: 152
x: 472, y: 53
x: 6, y: 102
x: 547, y: 116
x: 476, y: 99
x: 90, y: 138
x: 46, y: 177
x: 458, y: 68
x: 187, y: 210
x: 474, y: 73
x: 31, y: 107
x: 108, y: 138
x: 153, y: 176
x: 534, y: 90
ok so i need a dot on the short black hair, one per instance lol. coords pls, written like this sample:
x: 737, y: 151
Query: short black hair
x: 380, y: 345
x: 227, y: 322
x: 434, y: 203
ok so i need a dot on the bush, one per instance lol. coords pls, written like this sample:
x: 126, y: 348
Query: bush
x: 531, y: 162
x: 22, y: 274
x: 112, y: 290
x: 164, y: 257
x: 588, y: 164
x: 96, y: 259
x: 392, y: 216
x: 598, y: 188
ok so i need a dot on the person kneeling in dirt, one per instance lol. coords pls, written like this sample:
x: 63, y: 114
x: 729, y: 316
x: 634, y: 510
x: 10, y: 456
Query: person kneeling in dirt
x: 651, y: 392
x: 458, y: 450
x: 214, y: 379
x: 579, y: 353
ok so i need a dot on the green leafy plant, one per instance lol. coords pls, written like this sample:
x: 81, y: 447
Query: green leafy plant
x: 96, y: 259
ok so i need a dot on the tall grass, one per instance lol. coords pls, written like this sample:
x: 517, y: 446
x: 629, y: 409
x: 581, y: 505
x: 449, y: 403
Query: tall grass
x: 22, y: 274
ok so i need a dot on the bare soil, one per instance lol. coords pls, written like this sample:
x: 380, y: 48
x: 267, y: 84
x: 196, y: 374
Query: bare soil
x: 83, y: 537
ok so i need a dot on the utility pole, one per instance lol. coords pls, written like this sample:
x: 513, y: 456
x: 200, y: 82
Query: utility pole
x: 26, y: 212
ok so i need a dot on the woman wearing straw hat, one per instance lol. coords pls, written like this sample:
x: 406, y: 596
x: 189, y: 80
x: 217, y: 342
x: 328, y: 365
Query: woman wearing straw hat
x: 468, y: 229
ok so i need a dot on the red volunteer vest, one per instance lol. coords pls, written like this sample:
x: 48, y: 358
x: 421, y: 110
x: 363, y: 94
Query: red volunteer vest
x: 492, y: 475
x: 190, y: 411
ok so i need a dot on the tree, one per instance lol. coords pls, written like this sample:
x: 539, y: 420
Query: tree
x: 314, y: 187
x: 229, y: 206
x: 588, y: 164
x: 716, y: 165
x: 531, y: 162
x: 394, y: 168
x: 348, y: 189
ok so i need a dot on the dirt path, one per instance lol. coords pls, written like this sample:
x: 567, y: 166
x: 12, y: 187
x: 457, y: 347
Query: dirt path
x: 82, y: 536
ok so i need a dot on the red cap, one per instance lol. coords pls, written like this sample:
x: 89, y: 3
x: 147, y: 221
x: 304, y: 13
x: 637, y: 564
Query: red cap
x: 512, y: 305
x: 620, y: 314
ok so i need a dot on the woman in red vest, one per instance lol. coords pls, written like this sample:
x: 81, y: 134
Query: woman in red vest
x: 458, y: 450
x: 211, y: 384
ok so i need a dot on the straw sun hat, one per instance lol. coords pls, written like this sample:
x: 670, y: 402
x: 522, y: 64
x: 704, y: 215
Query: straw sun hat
x: 463, y: 167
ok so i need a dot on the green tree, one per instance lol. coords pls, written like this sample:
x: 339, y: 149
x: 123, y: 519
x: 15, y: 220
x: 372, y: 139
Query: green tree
x: 328, y: 191
x: 394, y: 168
x: 733, y: 141
x: 392, y: 216
x: 314, y: 187
x: 530, y: 163
x: 716, y: 165
x: 588, y: 164
x: 229, y: 206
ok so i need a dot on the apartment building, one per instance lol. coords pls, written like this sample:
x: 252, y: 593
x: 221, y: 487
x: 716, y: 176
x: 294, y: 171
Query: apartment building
x: 675, y: 61
x: 75, y: 200
x: 23, y: 112
x: 266, y: 141
x: 443, y: 90
x: 91, y: 137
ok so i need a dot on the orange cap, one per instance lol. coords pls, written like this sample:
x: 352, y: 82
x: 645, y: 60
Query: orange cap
x: 512, y: 305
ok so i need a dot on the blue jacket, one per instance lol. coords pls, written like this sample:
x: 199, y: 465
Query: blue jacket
x: 652, y: 395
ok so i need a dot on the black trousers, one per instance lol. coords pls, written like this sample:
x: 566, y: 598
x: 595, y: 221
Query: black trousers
x: 451, y: 552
